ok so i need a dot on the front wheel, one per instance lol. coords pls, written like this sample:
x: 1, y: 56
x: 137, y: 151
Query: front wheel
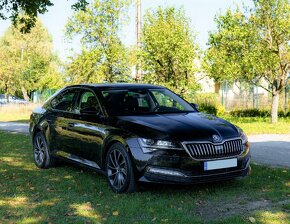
x: 41, y: 154
x: 119, y: 170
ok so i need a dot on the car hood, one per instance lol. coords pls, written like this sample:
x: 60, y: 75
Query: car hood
x: 179, y: 127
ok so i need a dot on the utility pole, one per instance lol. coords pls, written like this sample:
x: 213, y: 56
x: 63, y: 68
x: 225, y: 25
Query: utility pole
x: 286, y: 95
x: 138, y: 38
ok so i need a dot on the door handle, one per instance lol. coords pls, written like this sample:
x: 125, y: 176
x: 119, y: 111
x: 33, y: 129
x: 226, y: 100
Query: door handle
x: 71, y: 125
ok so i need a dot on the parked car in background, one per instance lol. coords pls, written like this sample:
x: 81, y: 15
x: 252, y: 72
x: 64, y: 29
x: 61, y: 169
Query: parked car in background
x: 4, y: 99
x: 137, y: 133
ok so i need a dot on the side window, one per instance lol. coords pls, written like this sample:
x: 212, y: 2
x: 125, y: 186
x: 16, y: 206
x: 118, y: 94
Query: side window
x: 166, y: 101
x: 89, y: 103
x: 64, y: 101
x: 136, y: 101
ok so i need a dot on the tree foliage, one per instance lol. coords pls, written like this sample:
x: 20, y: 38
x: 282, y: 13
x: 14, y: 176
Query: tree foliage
x: 103, y: 56
x: 26, y: 61
x: 169, y: 50
x: 253, y: 45
x: 12, y: 8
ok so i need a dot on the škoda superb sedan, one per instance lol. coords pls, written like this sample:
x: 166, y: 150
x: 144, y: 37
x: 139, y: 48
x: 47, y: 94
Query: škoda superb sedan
x: 137, y: 133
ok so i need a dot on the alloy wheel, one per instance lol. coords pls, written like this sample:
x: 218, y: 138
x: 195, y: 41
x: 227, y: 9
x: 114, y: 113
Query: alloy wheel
x: 39, y: 150
x: 117, y: 169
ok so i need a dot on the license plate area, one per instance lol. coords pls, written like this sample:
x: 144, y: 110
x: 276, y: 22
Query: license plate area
x: 220, y: 164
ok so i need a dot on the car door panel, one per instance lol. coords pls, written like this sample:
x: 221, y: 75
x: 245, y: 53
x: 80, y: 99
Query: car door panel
x: 89, y: 138
x: 88, y: 130
x: 62, y: 113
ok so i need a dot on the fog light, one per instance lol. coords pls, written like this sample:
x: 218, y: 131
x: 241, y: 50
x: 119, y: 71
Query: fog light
x: 165, y: 172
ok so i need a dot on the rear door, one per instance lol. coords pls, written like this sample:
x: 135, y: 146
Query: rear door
x: 89, y: 129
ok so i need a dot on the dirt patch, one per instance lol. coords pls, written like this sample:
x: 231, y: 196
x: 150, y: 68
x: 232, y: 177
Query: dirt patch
x: 220, y: 210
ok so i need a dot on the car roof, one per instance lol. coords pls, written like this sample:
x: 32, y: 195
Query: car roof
x: 118, y: 86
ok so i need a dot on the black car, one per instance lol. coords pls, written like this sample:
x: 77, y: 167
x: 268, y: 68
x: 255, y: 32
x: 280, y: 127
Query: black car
x: 137, y: 133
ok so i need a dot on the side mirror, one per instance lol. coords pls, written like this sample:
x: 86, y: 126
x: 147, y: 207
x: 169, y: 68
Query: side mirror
x: 195, y: 106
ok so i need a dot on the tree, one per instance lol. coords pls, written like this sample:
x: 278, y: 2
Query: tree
x: 169, y: 50
x: 26, y: 60
x: 12, y: 8
x: 103, y: 56
x: 253, y: 45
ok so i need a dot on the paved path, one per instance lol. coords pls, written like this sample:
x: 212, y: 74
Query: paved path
x: 268, y: 149
x: 271, y: 149
x: 15, y: 127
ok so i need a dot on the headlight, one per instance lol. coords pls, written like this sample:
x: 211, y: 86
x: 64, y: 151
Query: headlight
x: 243, y: 135
x: 150, y: 145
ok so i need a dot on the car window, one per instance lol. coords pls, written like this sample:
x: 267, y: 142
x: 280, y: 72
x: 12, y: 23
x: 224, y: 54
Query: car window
x: 65, y: 101
x: 127, y: 101
x: 166, y: 101
x: 143, y: 101
x: 89, y: 102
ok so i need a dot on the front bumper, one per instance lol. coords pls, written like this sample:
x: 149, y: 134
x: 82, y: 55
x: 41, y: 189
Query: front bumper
x: 218, y: 175
x: 177, y: 167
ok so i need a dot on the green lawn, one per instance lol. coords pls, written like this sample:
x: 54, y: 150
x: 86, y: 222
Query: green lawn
x: 14, y: 112
x: 257, y: 125
x: 68, y: 194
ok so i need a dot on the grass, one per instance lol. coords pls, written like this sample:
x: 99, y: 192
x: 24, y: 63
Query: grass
x: 69, y: 194
x: 258, y: 125
x: 16, y: 113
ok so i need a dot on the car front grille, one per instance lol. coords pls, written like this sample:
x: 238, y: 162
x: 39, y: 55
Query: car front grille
x: 209, y: 150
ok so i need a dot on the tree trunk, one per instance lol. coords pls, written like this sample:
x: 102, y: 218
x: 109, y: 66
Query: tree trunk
x: 274, y: 109
x: 24, y: 92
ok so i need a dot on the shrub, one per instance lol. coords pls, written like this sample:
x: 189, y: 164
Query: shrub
x: 257, y: 113
x: 209, y: 103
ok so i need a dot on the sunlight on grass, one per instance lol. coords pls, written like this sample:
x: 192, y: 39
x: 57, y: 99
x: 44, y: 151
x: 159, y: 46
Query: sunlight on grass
x: 256, y: 125
x: 30, y: 220
x: 14, y: 202
x: 12, y: 161
x: 50, y: 202
x: 86, y: 210
x: 268, y: 217
x: 14, y: 112
x: 70, y: 194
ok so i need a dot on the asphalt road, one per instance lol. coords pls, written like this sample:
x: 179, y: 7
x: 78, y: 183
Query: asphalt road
x: 267, y: 149
x: 271, y: 149
x: 15, y: 127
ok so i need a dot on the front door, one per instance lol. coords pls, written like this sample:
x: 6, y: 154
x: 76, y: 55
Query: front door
x: 61, y: 118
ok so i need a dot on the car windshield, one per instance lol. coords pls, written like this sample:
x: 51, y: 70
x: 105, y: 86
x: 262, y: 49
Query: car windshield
x: 143, y: 101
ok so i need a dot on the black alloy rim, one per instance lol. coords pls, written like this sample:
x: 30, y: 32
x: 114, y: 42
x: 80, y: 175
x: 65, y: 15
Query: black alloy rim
x: 39, y: 150
x: 117, y: 169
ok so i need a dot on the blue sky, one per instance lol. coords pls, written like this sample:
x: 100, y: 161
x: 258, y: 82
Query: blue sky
x: 201, y: 13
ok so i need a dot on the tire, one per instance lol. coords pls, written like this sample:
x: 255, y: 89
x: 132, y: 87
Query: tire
x: 41, y: 153
x: 119, y: 170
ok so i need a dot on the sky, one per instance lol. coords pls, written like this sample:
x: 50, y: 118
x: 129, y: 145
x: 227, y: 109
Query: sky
x: 201, y: 13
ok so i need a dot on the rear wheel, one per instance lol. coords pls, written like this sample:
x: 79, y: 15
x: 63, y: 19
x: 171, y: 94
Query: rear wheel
x: 41, y: 154
x: 119, y: 170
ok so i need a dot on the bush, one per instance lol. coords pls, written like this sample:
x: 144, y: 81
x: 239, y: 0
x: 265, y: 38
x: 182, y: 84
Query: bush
x: 257, y: 113
x: 250, y: 113
x: 209, y: 103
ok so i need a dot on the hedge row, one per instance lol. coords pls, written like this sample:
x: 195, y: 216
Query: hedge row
x: 209, y: 103
x: 257, y: 113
